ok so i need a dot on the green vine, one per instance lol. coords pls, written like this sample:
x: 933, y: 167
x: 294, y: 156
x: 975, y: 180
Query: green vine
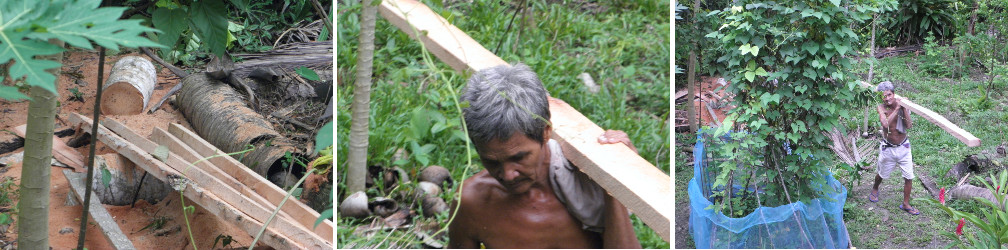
x: 788, y: 67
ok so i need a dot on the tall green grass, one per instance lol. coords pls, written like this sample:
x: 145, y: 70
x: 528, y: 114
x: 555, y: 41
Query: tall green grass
x: 624, y: 47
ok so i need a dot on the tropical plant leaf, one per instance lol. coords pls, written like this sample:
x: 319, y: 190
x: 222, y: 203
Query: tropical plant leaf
x: 171, y: 22
x: 26, y: 25
x: 210, y: 20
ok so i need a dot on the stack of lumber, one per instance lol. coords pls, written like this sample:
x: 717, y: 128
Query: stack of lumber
x: 219, y: 184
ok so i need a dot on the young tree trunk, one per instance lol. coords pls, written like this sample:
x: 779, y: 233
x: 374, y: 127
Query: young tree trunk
x: 362, y: 99
x: 33, y: 218
x: 691, y: 108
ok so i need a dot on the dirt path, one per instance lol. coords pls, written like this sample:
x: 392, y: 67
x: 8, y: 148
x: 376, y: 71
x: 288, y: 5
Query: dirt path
x: 883, y: 224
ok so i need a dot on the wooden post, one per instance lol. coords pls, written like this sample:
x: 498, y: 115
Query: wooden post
x: 964, y: 136
x: 635, y: 182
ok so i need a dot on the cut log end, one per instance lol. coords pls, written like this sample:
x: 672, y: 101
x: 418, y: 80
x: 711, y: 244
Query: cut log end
x: 121, y: 98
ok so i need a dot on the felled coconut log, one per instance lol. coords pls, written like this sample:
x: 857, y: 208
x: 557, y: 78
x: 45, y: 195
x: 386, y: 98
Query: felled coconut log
x: 967, y: 191
x: 129, y: 87
x: 219, y: 114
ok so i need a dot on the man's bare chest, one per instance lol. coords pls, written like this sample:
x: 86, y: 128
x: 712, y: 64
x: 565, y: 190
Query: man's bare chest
x: 535, y: 225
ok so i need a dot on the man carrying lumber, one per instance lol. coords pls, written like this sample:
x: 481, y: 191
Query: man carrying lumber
x: 895, y: 146
x: 529, y: 195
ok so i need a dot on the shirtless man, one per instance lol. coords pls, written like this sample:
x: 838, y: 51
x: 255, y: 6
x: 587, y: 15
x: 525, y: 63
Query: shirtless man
x: 895, y: 148
x: 529, y: 196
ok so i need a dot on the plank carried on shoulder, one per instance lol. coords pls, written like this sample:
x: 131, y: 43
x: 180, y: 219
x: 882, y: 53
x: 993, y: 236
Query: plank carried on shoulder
x: 964, y: 136
x: 635, y: 182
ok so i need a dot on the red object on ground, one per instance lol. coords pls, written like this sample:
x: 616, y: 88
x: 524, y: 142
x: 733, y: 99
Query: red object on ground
x: 941, y: 196
x: 962, y: 222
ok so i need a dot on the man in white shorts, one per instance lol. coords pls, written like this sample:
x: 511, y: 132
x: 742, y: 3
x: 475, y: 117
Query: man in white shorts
x: 894, y: 150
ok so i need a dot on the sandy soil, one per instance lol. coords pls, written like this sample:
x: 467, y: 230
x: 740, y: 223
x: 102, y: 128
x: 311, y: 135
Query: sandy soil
x: 80, y: 72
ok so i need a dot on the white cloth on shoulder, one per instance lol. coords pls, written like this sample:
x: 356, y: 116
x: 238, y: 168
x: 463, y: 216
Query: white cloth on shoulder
x: 582, y: 197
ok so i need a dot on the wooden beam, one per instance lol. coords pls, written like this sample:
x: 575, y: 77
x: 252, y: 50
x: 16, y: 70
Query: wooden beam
x: 441, y: 38
x: 635, y: 182
x: 290, y: 211
x: 207, y: 200
x: 964, y: 136
x: 640, y: 186
x: 298, y: 210
x: 204, y: 180
x: 60, y: 151
x: 105, y: 221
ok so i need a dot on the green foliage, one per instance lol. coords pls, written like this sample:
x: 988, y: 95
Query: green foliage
x: 789, y: 68
x: 203, y: 22
x: 324, y: 138
x: 916, y: 19
x: 224, y: 239
x: 7, y: 191
x: 106, y: 177
x: 156, y: 223
x: 307, y: 73
x: 25, y: 26
x: 993, y: 227
x: 941, y: 61
x: 76, y: 95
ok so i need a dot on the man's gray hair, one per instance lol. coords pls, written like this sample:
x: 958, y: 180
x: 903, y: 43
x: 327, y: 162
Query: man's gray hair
x: 885, y: 86
x: 505, y: 99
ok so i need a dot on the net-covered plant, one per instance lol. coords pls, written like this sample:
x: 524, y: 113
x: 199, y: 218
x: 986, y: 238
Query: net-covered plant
x: 788, y: 64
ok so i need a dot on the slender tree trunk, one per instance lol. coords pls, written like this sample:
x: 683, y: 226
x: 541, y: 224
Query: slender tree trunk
x: 362, y: 99
x: 973, y: 18
x: 33, y: 216
x: 690, y: 95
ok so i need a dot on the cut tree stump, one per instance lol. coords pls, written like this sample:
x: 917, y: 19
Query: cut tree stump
x: 98, y: 213
x: 129, y: 87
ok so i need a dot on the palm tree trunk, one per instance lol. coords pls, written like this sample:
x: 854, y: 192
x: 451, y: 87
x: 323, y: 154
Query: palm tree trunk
x: 362, y: 99
x: 690, y: 95
x: 33, y: 216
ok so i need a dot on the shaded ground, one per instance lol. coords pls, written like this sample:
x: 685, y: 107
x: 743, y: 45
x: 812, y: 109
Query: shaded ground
x: 80, y: 73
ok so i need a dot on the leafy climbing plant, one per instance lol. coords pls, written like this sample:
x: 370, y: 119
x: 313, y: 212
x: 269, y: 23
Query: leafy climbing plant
x: 788, y: 64
x: 25, y: 25
x: 201, y: 23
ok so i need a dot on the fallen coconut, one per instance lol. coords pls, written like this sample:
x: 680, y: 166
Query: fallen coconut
x: 383, y: 207
x: 429, y: 188
x: 355, y: 205
x: 435, y: 174
x: 433, y: 205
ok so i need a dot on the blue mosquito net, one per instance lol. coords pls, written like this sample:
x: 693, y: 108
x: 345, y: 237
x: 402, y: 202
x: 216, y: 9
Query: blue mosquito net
x: 817, y: 224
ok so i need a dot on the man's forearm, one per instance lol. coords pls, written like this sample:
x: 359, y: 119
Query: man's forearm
x: 619, y: 232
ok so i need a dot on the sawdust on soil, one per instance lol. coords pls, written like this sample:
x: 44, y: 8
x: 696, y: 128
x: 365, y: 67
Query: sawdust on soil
x: 79, y: 72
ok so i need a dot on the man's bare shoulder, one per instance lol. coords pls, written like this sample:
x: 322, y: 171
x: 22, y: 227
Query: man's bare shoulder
x: 480, y: 189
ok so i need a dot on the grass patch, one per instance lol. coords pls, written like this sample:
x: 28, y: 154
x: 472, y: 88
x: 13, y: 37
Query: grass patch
x: 558, y: 42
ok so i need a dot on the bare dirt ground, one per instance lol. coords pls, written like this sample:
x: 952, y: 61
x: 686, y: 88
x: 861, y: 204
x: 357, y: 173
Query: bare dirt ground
x: 80, y: 73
